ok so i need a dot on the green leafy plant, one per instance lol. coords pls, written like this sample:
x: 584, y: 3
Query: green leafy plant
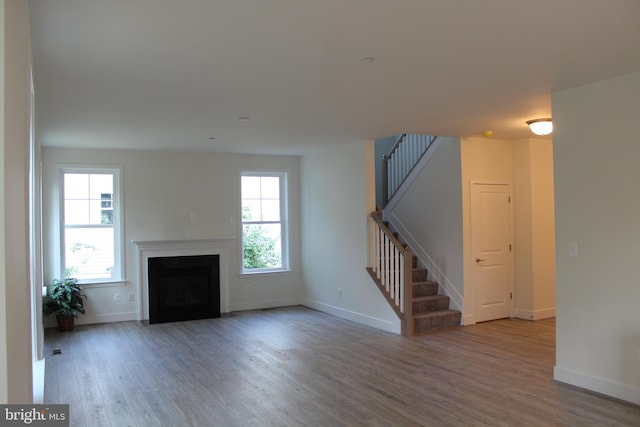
x: 259, y: 248
x: 64, y: 298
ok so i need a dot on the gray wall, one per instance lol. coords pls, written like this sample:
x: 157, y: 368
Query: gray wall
x: 428, y: 215
x: 382, y: 147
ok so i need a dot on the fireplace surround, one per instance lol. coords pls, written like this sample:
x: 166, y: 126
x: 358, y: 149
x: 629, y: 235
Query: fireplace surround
x: 184, y: 288
x: 148, y: 250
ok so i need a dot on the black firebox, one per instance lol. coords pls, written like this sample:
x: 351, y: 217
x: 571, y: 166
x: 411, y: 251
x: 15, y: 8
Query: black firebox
x: 184, y: 288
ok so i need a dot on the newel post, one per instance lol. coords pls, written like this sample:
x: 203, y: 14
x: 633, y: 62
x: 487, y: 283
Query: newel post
x: 407, y: 291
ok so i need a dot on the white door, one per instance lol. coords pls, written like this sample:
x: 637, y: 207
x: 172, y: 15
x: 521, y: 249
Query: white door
x: 491, y: 246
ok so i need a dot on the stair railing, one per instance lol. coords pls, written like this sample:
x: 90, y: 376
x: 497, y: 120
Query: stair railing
x: 398, y: 163
x: 390, y: 267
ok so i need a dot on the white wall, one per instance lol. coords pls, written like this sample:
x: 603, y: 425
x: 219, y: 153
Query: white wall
x: 338, y: 194
x: 15, y: 305
x: 428, y: 216
x: 534, y: 229
x: 596, y: 152
x: 161, y: 190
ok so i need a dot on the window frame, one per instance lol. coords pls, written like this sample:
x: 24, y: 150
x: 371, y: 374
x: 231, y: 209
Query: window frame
x: 284, y: 221
x: 118, y: 273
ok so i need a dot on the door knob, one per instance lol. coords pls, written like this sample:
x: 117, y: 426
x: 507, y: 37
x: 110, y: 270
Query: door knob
x: 479, y: 260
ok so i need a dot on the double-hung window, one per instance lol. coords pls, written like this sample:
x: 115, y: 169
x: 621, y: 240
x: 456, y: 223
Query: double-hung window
x: 264, y: 225
x: 91, y: 237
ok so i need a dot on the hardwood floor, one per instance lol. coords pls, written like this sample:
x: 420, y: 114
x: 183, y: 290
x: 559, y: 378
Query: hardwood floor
x: 299, y: 367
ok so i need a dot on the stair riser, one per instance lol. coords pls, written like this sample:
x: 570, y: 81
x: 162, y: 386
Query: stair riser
x: 419, y: 275
x: 431, y: 305
x: 424, y: 289
x: 440, y: 322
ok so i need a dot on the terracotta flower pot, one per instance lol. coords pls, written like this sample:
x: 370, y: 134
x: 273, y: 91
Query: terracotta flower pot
x: 65, y: 323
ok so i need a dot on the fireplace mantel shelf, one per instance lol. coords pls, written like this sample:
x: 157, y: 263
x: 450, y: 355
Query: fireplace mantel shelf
x: 199, y: 242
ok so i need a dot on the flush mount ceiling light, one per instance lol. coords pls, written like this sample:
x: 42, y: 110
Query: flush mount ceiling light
x: 368, y: 59
x: 243, y: 119
x: 541, y: 126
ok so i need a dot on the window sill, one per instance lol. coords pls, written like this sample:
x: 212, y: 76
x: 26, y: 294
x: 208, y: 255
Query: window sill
x: 261, y: 272
x: 106, y: 284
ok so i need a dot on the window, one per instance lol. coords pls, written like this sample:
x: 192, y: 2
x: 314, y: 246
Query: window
x: 264, y: 230
x: 91, y: 232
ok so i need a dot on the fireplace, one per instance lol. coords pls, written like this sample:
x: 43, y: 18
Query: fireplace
x: 183, y: 288
x: 149, y: 249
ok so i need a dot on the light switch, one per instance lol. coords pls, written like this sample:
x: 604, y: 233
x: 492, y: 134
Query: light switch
x: 573, y: 249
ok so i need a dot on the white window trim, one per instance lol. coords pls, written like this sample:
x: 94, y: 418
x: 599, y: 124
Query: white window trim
x: 284, y: 221
x: 118, y: 277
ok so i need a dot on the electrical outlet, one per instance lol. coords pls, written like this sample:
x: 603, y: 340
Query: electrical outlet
x: 248, y: 288
x: 193, y: 216
x: 116, y: 297
x: 131, y: 297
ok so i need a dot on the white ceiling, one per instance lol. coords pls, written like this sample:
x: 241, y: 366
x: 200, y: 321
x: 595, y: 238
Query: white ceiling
x: 171, y: 74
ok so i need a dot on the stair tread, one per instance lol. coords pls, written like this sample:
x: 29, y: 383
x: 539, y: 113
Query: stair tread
x: 425, y: 282
x: 437, y: 313
x: 429, y: 297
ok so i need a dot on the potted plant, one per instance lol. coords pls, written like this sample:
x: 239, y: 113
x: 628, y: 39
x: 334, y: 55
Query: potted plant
x: 64, y: 298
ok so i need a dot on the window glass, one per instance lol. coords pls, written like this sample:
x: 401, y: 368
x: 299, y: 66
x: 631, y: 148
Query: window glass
x: 91, y: 230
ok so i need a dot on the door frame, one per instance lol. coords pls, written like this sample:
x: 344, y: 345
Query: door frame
x: 511, y: 258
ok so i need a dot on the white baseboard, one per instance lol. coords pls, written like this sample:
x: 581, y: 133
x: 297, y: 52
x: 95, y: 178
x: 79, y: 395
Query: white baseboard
x: 107, y: 318
x: 50, y: 321
x: 546, y: 313
x: 271, y: 303
x: 353, y: 316
x: 468, y: 320
x: 599, y: 385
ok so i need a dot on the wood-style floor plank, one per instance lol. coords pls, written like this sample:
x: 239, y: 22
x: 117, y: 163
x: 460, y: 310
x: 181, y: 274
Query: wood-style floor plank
x: 298, y: 367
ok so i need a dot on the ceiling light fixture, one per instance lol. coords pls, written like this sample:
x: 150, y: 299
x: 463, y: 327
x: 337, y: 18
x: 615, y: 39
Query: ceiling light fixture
x: 243, y: 119
x: 541, y: 126
x: 368, y: 59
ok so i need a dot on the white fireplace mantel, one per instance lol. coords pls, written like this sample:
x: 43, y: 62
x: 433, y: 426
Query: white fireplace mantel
x: 167, y: 248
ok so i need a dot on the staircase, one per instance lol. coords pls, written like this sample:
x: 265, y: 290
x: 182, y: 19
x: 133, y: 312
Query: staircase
x: 429, y: 310
x: 405, y: 285
x: 391, y: 264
